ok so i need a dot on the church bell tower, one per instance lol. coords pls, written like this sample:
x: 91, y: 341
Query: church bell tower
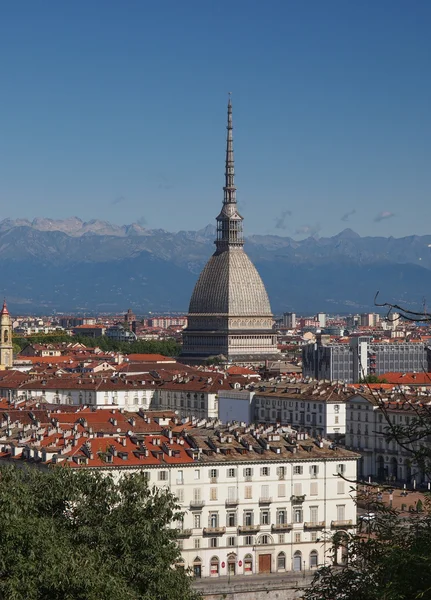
x: 6, y: 347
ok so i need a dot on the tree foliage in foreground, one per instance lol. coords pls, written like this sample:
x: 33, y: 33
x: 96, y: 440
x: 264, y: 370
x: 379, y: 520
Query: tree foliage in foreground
x: 75, y: 535
x: 389, y: 560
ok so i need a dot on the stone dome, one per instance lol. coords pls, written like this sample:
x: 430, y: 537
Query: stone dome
x: 230, y: 284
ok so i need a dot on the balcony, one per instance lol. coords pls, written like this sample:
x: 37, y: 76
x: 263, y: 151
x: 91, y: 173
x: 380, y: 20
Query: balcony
x: 184, y: 533
x: 232, y: 502
x: 281, y: 527
x: 248, y: 478
x: 214, y: 530
x: 196, y: 504
x: 341, y: 524
x: 248, y: 529
x: 297, y: 499
x: 314, y: 525
x: 213, y: 479
x: 265, y: 500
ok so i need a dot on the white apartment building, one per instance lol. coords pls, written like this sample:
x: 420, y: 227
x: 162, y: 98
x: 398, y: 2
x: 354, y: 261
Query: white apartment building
x: 318, y: 409
x: 255, y: 499
x: 366, y: 428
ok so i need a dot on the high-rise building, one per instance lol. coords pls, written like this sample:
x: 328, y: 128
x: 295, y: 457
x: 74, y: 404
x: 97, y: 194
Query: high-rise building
x: 352, y: 362
x: 6, y: 347
x: 321, y: 317
x: 229, y: 312
x: 289, y: 320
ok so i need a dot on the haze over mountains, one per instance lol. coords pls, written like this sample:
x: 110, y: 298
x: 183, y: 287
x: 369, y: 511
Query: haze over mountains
x: 96, y: 266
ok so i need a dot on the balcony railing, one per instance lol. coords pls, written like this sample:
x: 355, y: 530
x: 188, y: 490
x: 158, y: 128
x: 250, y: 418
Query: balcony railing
x: 248, y: 478
x: 197, y: 504
x: 341, y: 524
x: 281, y: 527
x: 314, y: 525
x: 184, y: 533
x: 297, y: 499
x: 248, y: 528
x: 265, y: 500
x: 214, y: 530
x: 232, y: 502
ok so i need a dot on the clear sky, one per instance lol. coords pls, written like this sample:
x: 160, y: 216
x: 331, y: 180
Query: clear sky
x: 116, y: 110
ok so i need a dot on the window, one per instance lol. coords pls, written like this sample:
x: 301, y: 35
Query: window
x: 314, y: 470
x: 281, y: 490
x: 213, y: 473
x: 196, y: 494
x: 281, y: 472
x: 264, y: 540
x: 297, y: 515
x: 213, y: 493
x: 196, y: 521
x: 248, y: 472
x: 213, y: 520
x: 281, y: 516
x: 180, y: 477
x: 336, y: 420
x: 231, y: 519
x: 336, y: 408
x: 281, y: 562
x: 340, y: 487
x: 163, y: 475
x: 248, y: 540
x: 231, y: 541
x: 214, y: 566
x: 196, y: 543
x: 264, y: 491
x: 231, y: 493
x: 297, y: 538
x: 314, y: 514
x: 264, y: 517
x: 248, y: 518
x: 341, y: 512
x: 248, y: 492
x: 180, y: 544
x: 264, y: 471
x: 281, y: 538
x: 297, y: 489
x: 313, y: 488
x: 213, y: 543
x: 197, y: 474
x: 180, y: 495
x: 297, y: 470
x: 341, y: 469
x: 231, y: 472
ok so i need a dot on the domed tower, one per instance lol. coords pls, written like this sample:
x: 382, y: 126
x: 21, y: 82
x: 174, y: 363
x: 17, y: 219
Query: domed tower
x: 229, y: 312
x: 6, y: 347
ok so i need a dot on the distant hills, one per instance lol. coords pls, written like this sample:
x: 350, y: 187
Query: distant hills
x: 71, y: 265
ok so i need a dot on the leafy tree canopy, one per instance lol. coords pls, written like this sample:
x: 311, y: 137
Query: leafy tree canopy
x: 389, y: 559
x: 77, y: 535
x: 167, y: 347
x: 373, y: 379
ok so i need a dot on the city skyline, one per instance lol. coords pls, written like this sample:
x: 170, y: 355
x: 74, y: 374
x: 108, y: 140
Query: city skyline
x: 118, y: 114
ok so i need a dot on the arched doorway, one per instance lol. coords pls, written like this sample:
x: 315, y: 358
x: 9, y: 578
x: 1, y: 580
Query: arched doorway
x: 281, y: 561
x: 214, y: 566
x: 297, y: 561
x: 231, y: 564
x: 314, y: 559
x: 197, y: 567
x: 248, y: 564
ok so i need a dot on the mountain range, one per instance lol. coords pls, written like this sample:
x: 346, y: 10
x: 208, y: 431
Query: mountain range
x: 70, y: 265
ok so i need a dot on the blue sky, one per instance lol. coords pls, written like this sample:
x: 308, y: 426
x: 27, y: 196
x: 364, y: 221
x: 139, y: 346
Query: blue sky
x: 116, y: 110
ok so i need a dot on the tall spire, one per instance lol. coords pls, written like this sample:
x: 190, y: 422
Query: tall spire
x: 229, y: 221
x: 229, y: 188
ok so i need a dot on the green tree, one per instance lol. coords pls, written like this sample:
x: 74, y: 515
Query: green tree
x: 76, y: 535
x: 373, y: 379
x: 391, y: 560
